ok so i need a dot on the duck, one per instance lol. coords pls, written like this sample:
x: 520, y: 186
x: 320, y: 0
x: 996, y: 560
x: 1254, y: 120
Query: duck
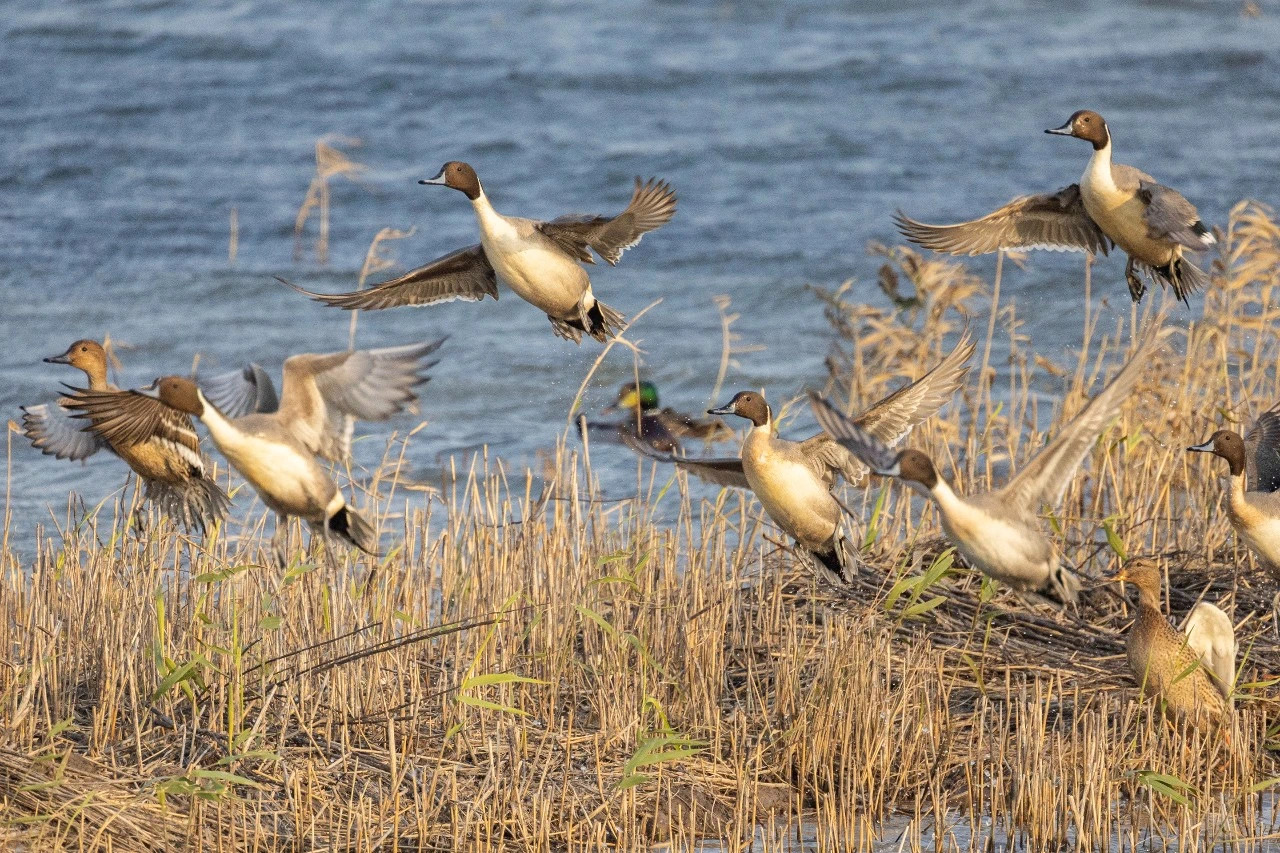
x: 541, y: 261
x: 1190, y: 670
x: 1112, y: 205
x: 168, y: 462
x: 793, y: 480
x: 661, y: 428
x: 998, y: 532
x: 1254, y: 513
x: 278, y: 453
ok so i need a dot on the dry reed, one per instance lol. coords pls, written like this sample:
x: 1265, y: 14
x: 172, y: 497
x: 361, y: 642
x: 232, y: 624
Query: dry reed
x: 532, y: 667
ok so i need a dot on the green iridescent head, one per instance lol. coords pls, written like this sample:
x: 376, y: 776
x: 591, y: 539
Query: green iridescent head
x: 646, y: 395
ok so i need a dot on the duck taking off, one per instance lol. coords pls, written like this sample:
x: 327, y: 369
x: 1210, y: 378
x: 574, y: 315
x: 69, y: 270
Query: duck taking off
x: 1254, y: 459
x: 998, y: 532
x: 540, y: 261
x: 167, y: 461
x: 793, y: 479
x: 1111, y: 205
x: 279, y: 452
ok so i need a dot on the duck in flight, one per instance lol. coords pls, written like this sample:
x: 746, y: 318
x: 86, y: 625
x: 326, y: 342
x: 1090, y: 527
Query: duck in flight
x: 541, y: 261
x: 1112, y: 204
x: 167, y: 461
x: 278, y: 452
x: 793, y: 479
x: 998, y: 532
x: 661, y: 428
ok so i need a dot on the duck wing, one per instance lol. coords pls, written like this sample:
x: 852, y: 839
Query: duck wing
x: 323, y: 395
x: 1043, y: 479
x: 723, y: 471
x: 237, y: 393
x: 1054, y: 221
x: 128, y: 418
x: 1262, y: 445
x: 891, y: 419
x: 869, y: 450
x: 652, y: 205
x: 56, y: 432
x: 1212, y: 637
x: 465, y: 274
x: 1169, y: 216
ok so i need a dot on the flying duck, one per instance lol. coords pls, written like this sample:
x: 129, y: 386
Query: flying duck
x: 1255, y: 513
x: 1111, y: 205
x: 278, y: 453
x: 168, y: 461
x: 660, y: 428
x: 1191, y: 670
x: 540, y: 261
x: 998, y: 532
x: 793, y: 479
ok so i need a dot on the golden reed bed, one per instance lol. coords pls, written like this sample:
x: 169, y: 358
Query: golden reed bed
x: 540, y: 668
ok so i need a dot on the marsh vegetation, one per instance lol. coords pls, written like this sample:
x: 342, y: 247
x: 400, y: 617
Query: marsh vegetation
x: 534, y: 665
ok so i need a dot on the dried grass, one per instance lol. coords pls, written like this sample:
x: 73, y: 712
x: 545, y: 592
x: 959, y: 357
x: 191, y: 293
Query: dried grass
x: 537, y: 668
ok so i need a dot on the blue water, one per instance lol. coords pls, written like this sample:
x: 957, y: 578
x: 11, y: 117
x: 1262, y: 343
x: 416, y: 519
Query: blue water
x: 791, y: 131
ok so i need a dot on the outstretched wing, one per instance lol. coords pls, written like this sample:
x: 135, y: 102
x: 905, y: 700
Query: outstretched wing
x: 724, y: 471
x: 237, y: 393
x: 1045, y: 477
x: 1054, y: 221
x: 130, y: 418
x: 891, y: 419
x: 1169, y: 216
x: 1212, y: 637
x: 323, y: 395
x: 1263, y: 443
x: 465, y: 274
x: 56, y: 432
x: 652, y: 205
x: 865, y: 447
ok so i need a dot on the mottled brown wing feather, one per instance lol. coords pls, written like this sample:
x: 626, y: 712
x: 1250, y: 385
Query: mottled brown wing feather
x: 652, y: 205
x: 126, y: 418
x: 465, y: 274
x: 1054, y: 221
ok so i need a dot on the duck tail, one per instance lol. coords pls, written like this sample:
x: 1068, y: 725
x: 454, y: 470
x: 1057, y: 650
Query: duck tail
x: 1065, y: 584
x: 348, y: 524
x: 195, y: 504
x: 832, y: 564
x: 603, y: 321
x: 1184, y: 277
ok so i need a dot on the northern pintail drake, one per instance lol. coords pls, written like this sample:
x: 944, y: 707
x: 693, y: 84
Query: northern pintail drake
x: 278, y: 453
x: 1192, y: 671
x: 168, y: 463
x: 1254, y: 513
x: 1111, y: 205
x: 998, y: 532
x: 540, y: 261
x: 663, y: 429
x: 793, y: 479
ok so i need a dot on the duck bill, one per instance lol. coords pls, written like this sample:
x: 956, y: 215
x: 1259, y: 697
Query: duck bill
x: 1207, y: 447
x: 894, y: 470
x: 1065, y: 130
x: 58, y: 359
x: 723, y: 410
x: 438, y: 180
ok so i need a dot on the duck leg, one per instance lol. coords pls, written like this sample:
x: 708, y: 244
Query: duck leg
x: 1137, y: 287
x: 280, y: 542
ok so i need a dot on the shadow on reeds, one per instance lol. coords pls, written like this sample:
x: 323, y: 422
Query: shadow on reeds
x: 530, y: 667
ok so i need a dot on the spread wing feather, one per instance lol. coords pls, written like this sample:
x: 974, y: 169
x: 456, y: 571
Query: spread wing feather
x: 652, y: 205
x: 1055, y: 221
